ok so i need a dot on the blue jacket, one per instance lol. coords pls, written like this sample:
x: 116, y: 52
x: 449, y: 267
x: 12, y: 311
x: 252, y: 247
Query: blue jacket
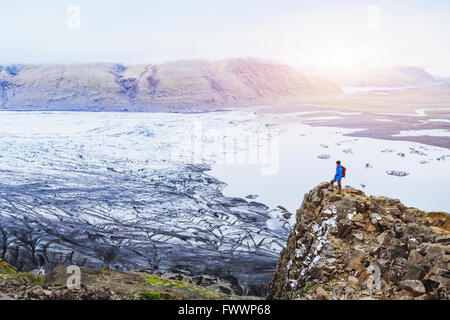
x: 339, y: 172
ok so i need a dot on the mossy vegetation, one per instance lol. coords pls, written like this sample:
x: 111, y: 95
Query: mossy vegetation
x: 147, y: 287
x: 114, y: 297
x: 161, y: 282
x: 157, y: 288
x: 37, y: 280
x: 150, y: 295
x: 6, y: 268
x: 207, y: 293
x: 441, y: 213
x: 305, y: 289
x: 7, y: 271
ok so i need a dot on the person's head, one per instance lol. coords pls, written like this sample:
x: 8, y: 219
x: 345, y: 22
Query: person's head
x: 338, y: 163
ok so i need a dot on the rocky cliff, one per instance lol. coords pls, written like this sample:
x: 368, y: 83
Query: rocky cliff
x: 353, y: 246
x: 182, y: 85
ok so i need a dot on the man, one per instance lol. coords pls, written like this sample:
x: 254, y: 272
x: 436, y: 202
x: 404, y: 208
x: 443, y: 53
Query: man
x: 337, y: 177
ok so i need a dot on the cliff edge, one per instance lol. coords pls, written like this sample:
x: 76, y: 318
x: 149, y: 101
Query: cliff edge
x: 354, y: 246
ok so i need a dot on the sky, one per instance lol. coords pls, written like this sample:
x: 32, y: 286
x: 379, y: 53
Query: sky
x: 300, y: 33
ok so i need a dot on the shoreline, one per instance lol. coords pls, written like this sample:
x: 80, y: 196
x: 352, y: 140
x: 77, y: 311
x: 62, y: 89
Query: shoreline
x: 375, y: 125
x: 382, y: 126
x: 371, y: 125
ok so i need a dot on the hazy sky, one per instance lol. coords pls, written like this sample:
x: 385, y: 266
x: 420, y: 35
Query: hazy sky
x: 302, y: 33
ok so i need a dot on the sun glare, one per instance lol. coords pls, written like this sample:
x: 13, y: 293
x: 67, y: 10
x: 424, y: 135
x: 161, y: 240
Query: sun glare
x: 338, y: 59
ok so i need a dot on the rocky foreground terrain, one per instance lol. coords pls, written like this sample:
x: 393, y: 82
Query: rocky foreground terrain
x: 353, y: 246
x: 348, y: 246
x: 106, y: 284
x: 182, y: 85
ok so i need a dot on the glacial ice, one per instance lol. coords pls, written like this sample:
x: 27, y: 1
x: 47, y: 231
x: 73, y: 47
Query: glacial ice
x: 104, y: 189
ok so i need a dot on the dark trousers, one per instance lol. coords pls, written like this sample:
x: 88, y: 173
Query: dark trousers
x: 338, y: 182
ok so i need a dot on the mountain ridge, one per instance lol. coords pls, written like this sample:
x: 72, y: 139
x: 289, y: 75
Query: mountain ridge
x: 156, y: 87
x: 399, y: 76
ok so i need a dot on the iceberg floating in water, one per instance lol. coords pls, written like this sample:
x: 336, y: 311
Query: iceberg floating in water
x: 397, y: 173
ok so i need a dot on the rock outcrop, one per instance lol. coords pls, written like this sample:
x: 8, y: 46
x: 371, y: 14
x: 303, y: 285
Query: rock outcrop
x: 191, y: 85
x: 353, y: 246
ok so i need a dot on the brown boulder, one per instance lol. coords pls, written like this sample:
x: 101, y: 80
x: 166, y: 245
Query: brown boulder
x: 344, y: 228
x: 415, y: 269
x: 414, y: 286
x: 354, y: 259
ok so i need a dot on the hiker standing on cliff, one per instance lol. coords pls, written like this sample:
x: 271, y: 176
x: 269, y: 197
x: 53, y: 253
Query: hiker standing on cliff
x: 340, y: 173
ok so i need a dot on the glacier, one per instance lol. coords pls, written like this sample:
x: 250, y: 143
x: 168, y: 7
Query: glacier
x: 105, y: 189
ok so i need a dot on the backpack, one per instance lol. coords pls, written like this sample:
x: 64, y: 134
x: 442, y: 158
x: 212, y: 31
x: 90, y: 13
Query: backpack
x: 344, y: 169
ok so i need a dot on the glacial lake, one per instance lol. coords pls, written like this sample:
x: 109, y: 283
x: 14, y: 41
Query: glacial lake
x: 300, y: 169
x: 296, y: 163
